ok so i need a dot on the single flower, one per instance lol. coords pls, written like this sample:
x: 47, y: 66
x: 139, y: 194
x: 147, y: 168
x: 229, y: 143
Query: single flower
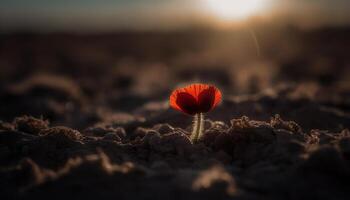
x: 196, y: 99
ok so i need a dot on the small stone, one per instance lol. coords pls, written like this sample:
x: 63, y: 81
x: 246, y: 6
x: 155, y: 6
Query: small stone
x: 30, y: 124
x: 112, y: 136
x: 163, y: 128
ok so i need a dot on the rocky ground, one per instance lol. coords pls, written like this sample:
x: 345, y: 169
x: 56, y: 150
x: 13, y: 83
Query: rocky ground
x: 88, y: 117
x: 129, y: 157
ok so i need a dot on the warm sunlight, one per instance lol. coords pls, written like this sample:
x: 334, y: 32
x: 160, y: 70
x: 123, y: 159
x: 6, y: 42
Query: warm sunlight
x: 235, y: 9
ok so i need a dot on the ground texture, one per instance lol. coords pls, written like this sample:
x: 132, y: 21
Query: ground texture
x: 87, y: 117
x: 129, y: 157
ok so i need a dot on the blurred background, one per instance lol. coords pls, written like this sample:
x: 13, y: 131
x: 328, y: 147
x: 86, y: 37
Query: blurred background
x: 71, y: 61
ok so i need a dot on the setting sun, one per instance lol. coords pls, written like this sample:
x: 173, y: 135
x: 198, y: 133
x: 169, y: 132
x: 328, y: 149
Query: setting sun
x: 235, y: 9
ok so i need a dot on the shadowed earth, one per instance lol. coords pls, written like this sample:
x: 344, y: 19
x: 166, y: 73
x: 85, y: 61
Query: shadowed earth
x: 95, y: 123
x: 240, y: 158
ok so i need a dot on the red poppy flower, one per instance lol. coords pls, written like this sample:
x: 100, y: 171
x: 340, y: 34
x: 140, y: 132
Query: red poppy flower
x: 195, y: 98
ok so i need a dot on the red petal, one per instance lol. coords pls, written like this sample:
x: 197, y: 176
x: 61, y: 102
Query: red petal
x: 196, y: 89
x: 206, y: 99
x: 195, y: 98
x: 173, y: 100
x: 218, y: 97
x: 187, y: 103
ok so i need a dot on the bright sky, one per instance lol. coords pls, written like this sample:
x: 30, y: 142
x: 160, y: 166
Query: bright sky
x: 110, y: 14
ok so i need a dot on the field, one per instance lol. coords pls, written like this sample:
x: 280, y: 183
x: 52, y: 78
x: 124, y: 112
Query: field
x: 87, y: 115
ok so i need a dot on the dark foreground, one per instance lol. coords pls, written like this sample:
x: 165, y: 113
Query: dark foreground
x: 133, y: 158
x: 102, y: 127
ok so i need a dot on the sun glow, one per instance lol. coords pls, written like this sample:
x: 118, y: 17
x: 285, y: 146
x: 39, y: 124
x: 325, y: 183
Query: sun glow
x: 235, y: 9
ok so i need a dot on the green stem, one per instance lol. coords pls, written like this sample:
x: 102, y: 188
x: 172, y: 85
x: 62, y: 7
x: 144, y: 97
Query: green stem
x: 198, y: 124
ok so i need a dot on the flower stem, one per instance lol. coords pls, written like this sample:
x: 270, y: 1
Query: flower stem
x: 198, y: 124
